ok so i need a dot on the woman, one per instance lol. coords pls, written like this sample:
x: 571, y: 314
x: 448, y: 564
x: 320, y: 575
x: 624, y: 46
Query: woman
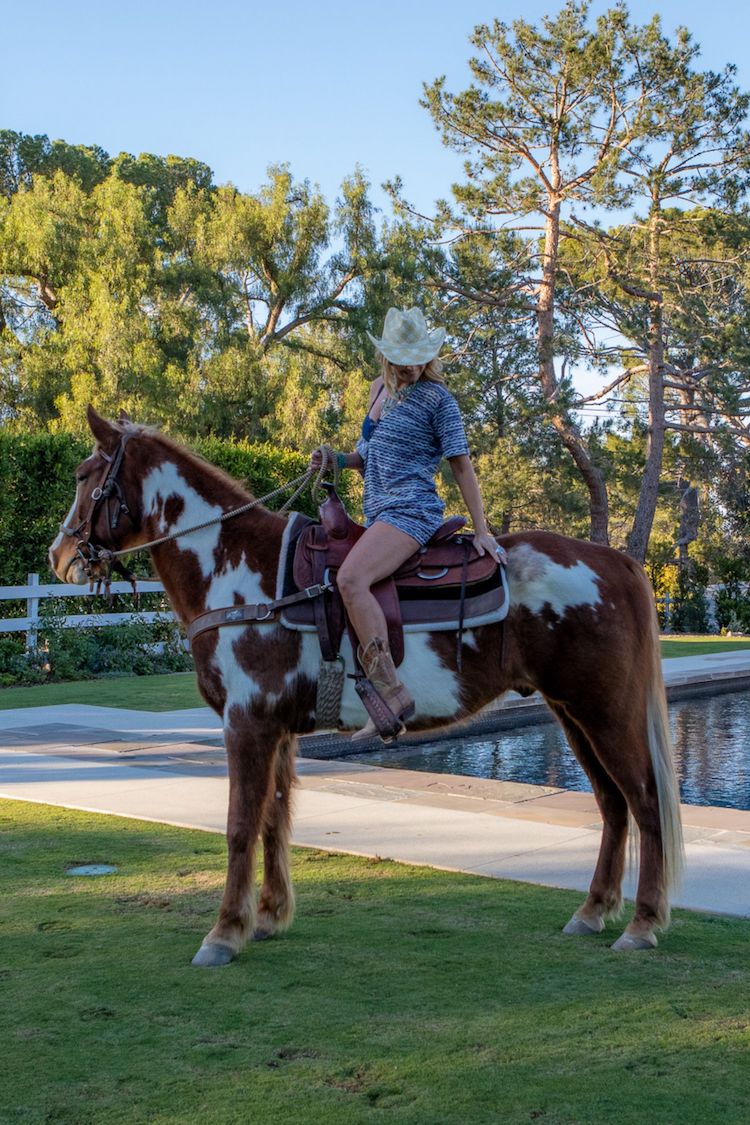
x: 412, y: 422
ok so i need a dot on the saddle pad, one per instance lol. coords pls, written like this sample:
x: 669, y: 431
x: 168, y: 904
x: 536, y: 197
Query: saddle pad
x: 433, y: 609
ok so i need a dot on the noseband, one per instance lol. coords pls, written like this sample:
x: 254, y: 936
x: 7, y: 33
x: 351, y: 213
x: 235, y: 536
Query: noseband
x: 98, y: 561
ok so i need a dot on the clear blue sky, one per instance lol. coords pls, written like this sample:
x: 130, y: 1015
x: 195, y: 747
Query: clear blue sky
x: 323, y: 85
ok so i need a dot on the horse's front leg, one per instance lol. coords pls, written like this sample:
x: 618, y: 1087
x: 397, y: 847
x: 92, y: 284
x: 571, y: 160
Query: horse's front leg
x: 251, y: 752
x: 276, y: 904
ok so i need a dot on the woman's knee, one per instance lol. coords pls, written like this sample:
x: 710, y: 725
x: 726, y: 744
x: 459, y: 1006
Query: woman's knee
x: 350, y: 584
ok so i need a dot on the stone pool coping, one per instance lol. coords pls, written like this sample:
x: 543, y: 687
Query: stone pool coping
x: 204, y: 758
x: 537, y: 803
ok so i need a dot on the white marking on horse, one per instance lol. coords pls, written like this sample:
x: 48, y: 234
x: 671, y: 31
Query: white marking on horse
x: 164, y: 483
x: 167, y: 481
x: 536, y: 581
x: 240, y: 685
x: 65, y: 523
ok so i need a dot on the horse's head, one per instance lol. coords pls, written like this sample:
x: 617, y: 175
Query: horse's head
x: 105, y: 515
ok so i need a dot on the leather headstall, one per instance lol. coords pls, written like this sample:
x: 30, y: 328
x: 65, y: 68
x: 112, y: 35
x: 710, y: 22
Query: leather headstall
x: 98, y: 560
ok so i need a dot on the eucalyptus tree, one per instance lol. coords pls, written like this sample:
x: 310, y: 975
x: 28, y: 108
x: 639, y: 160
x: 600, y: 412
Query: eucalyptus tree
x: 22, y: 157
x: 42, y: 229
x: 154, y: 290
x: 256, y: 272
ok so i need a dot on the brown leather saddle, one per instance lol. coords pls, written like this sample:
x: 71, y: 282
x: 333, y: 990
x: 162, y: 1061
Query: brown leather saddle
x: 444, y: 584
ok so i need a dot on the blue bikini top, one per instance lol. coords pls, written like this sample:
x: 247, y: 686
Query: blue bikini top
x: 369, y: 424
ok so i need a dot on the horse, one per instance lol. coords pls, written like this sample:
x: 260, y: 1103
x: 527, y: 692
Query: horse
x: 581, y: 630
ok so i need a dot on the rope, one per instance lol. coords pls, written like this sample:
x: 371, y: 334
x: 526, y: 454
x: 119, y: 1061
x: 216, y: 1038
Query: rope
x: 328, y: 459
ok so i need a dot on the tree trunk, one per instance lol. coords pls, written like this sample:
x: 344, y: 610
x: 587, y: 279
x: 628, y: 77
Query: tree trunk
x: 47, y: 292
x: 498, y: 388
x: 568, y: 431
x: 648, y: 496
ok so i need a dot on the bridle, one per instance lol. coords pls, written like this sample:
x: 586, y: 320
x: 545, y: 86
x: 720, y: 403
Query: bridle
x: 98, y: 561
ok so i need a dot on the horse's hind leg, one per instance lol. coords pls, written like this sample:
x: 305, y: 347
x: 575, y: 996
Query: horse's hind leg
x: 251, y: 751
x: 632, y: 746
x: 605, y: 892
x: 276, y: 903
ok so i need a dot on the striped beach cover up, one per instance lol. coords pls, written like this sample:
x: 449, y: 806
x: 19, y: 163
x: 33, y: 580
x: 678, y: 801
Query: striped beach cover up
x: 402, y: 457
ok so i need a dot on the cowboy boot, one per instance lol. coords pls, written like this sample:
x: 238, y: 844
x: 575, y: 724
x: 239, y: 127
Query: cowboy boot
x: 377, y: 664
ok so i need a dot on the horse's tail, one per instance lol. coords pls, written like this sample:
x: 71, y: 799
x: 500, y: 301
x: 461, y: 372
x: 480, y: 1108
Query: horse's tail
x: 662, y: 760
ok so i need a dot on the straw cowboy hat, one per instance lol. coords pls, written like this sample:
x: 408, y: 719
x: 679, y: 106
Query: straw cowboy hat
x: 406, y: 338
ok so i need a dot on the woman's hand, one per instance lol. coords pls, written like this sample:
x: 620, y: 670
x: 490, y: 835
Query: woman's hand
x: 342, y: 460
x: 487, y: 544
x: 316, y: 457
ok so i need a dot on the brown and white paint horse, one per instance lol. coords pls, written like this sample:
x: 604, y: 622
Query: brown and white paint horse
x: 581, y: 630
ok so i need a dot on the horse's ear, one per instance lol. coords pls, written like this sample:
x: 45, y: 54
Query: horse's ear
x: 104, y: 432
x: 123, y: 416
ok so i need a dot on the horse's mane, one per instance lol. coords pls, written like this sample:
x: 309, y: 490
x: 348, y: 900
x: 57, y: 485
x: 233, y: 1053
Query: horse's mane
x: 183, y: 452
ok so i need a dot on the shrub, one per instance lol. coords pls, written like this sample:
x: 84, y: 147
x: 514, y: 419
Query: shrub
x: 16, y: 665
x: 689, y: 612
x: 136, y: 647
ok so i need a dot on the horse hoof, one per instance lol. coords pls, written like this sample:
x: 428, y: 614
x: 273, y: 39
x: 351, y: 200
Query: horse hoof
x: 628, y: 943
x: 211, y: 955
x: 579, y: 926
x: 262, y: 935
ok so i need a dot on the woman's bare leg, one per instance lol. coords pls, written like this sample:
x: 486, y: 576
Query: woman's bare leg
x: 376, y: 555
x: 379, y: 552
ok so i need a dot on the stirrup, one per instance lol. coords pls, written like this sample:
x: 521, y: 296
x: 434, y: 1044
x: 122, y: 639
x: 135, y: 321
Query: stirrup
x: 387, y: 724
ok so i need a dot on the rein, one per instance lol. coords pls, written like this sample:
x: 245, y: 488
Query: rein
x: 99, y: 561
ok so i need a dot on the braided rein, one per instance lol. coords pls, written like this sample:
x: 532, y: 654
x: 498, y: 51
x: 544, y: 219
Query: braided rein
x: 298, y: 484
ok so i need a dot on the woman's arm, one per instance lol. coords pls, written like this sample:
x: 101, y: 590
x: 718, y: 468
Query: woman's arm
x: 355, y: 460
x: 466, y: 479
x: 351, y: 461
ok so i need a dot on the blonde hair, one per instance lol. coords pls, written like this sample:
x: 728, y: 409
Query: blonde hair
x: 433, y: 371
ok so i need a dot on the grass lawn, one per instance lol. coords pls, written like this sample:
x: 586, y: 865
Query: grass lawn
x: 401, y: 994
x: 177, y: 691
x: 171, y: 692
x: 700, y: 645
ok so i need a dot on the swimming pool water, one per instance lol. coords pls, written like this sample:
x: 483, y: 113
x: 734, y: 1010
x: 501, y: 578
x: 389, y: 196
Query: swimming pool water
x: 712, y: 752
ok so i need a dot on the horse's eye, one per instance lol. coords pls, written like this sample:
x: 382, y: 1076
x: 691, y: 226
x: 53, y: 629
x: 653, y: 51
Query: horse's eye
x: 82, y: 477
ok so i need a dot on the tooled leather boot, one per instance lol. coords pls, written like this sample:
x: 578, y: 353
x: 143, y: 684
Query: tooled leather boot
x: 377, y: 664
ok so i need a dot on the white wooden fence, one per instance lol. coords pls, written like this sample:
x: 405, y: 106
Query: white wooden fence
x: 35, y: 592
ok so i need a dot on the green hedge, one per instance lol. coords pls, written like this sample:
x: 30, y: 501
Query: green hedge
x: 36, y: 488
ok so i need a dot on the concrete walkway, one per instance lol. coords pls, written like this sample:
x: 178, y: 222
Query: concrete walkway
x: 170, y: 767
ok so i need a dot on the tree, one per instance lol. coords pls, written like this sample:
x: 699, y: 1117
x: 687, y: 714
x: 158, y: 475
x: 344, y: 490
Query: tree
x: 545, y: 126
x: 149, y: 288
x: 22, y: 157
x: 669, y: 281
